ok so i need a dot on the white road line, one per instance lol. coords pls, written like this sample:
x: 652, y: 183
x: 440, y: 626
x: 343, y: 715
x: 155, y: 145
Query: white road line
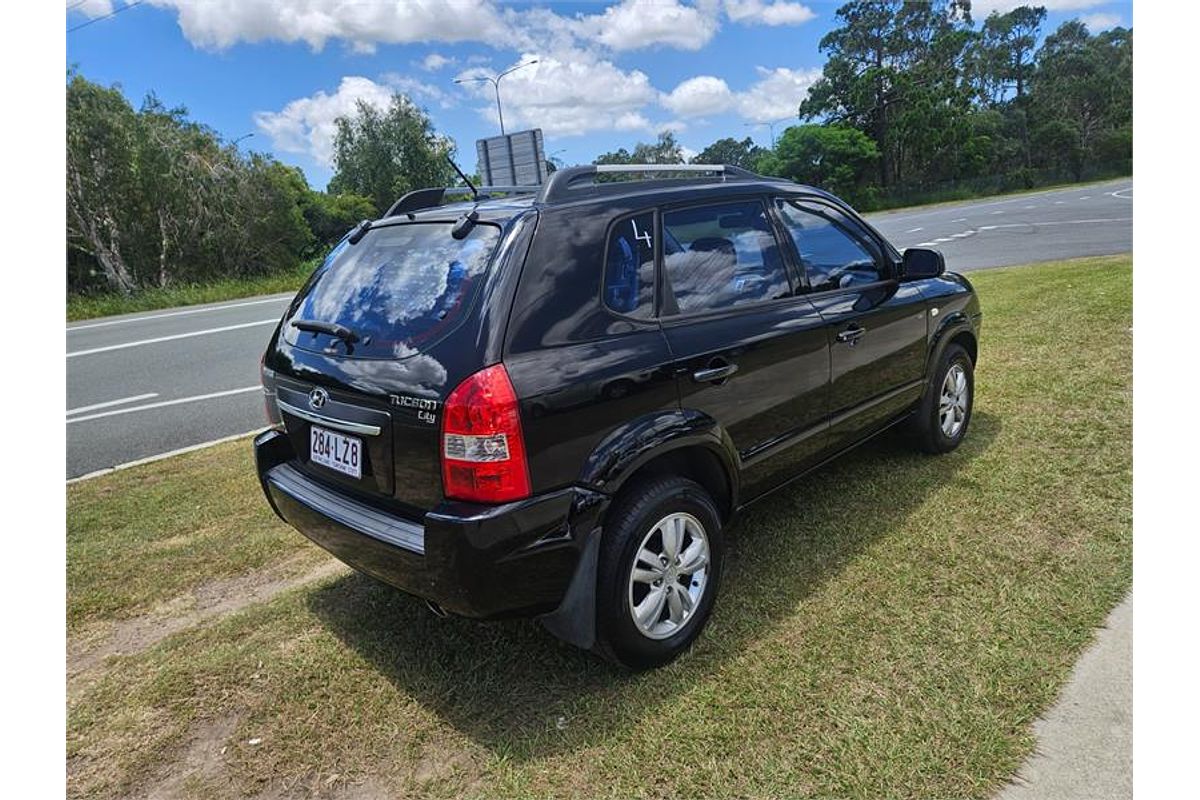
x: 1117, y: 193
x: 155, y: 340
x: 1086, y: 197
x: 111, y: 403
x: 960, y: 219
x: 917, y: 211
x: 272, y: 299
x: 165, y: 403
x: 1001, y: 211
x: 1060, y: 202
x: 926, y: 244
x: 942, y: 240
x: 914, y: 230
x: 161, y: 456
x: 962, y: 235
x: 1057, y: 222
x: 1033, y: 206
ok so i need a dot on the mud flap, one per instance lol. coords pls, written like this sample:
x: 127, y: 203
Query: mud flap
x: 574, y: 621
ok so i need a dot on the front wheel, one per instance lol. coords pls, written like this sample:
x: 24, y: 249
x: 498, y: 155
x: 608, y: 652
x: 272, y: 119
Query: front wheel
x: 660, y: 564
x: 945, y: 412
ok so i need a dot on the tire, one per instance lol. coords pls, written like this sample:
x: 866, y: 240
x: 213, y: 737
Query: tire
x: 638, y: 525
x: 934, y: 431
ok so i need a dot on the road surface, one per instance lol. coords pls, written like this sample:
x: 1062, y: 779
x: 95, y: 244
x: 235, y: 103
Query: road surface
x: 144, y: 384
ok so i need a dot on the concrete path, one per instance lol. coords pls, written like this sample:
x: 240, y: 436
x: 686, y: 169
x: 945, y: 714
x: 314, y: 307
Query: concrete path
x: 1085, y: 741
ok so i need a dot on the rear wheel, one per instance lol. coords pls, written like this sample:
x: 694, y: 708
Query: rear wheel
x: 660, y: 563
x: 941, y: 422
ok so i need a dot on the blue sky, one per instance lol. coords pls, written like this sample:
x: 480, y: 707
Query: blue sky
x: 608, y: 74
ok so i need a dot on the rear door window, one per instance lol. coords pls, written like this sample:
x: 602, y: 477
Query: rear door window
x: 720, y: 256
x: 629, y: 267
x: 398, y: 290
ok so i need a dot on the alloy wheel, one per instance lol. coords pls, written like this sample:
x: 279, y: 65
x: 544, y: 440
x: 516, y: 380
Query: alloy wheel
x: 669, y: 575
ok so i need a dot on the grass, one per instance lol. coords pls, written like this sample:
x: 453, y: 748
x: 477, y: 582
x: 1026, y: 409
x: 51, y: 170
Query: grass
x: 139, y: 538
x: 104, y: 304
x: 888, y: 627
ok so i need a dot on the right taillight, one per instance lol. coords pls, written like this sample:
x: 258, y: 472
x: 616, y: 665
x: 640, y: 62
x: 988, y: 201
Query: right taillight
x: 483, y: 451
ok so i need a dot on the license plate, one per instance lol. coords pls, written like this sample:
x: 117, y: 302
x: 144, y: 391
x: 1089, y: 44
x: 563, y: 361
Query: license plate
x: 338, y: 452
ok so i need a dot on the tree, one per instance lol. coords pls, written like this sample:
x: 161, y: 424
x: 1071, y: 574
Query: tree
x: 1082, y: 94
x: 838, y: 158
x: 743, y: 154
x: 664, y: 151
x: 1002, y: 57
x: 154, y: 198
x: 890, y: 58
x: 384, y: 153
x: 329, y: 216
x: 101, y: 176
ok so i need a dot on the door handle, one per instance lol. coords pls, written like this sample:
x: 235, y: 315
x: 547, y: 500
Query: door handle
x: 851, y: 334
x: 716, y: 371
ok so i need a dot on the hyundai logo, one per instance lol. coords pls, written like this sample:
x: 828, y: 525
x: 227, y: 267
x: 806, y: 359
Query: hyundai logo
x: 317, y: 398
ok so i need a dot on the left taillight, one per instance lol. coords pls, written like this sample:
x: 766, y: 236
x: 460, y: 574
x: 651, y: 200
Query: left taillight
x: 266, y: 376
x: 483, y: 449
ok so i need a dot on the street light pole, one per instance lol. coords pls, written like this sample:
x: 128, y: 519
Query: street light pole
x: 238, y: 139
x: 770, y: 126
x: 495, y: 82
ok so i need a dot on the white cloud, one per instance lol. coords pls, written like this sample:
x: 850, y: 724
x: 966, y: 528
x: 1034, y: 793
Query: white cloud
x: 631, y: 121
x: 306, y: 125
x: 775, y: 12
x: 435, y: 61
x: 701, y: 96
x: 363, y: 24
x: 777, y: 94
x: 567, y: 93
x: 219, y: 24
x: 93, y: 8
x: 1100, y: 21
x: 981, y: 8
x: 634, y: 24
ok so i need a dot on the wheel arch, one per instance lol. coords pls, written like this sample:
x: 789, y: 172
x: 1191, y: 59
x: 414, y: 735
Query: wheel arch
x: 955, y: 329
x: 678, y: 442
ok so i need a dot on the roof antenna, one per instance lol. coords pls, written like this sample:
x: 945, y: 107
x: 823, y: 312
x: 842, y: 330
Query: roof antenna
x: 466, y: 180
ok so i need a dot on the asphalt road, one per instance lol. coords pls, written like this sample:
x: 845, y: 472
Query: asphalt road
x: 144, y: 384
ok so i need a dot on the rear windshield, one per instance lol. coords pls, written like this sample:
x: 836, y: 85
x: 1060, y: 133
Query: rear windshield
x: 398, y: 290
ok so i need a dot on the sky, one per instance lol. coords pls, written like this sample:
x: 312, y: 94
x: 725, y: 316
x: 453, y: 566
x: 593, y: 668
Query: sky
x: 608, y: 74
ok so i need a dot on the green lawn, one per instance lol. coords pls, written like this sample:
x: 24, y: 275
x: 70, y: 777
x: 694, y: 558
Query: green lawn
x: 888, y: 627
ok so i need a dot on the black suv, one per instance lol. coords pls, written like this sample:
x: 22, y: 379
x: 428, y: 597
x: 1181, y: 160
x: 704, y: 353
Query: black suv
x: 552, y: 400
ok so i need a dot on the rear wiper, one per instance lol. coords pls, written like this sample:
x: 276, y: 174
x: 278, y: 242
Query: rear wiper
x: 331, y: 328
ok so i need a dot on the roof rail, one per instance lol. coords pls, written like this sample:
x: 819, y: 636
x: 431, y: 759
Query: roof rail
x: 558, y: 185
x: 435, y: 196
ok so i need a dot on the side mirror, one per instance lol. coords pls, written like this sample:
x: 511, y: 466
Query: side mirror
x: 920, y: 262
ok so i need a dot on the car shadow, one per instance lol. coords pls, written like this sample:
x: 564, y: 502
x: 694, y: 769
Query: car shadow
x: 514, y: 689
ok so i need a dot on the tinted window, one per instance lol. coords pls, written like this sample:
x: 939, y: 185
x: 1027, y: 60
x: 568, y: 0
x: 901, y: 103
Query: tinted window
x: 398, y: 289
x: 832, y: 254
x: 720, y: 256
x: 629, y: 267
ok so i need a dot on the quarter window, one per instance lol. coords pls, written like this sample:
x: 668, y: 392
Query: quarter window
x: 833, y: 257
x: 720, y: 256
x: 629, y: 267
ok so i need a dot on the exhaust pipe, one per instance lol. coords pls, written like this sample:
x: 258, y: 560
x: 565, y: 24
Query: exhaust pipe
x: 437, y: 610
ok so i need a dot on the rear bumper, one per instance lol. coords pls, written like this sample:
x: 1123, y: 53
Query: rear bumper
x: 476, y: 561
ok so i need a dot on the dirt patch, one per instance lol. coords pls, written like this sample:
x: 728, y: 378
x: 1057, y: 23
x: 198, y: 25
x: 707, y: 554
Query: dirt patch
x: 203, y: 759
x: 210, y: 600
